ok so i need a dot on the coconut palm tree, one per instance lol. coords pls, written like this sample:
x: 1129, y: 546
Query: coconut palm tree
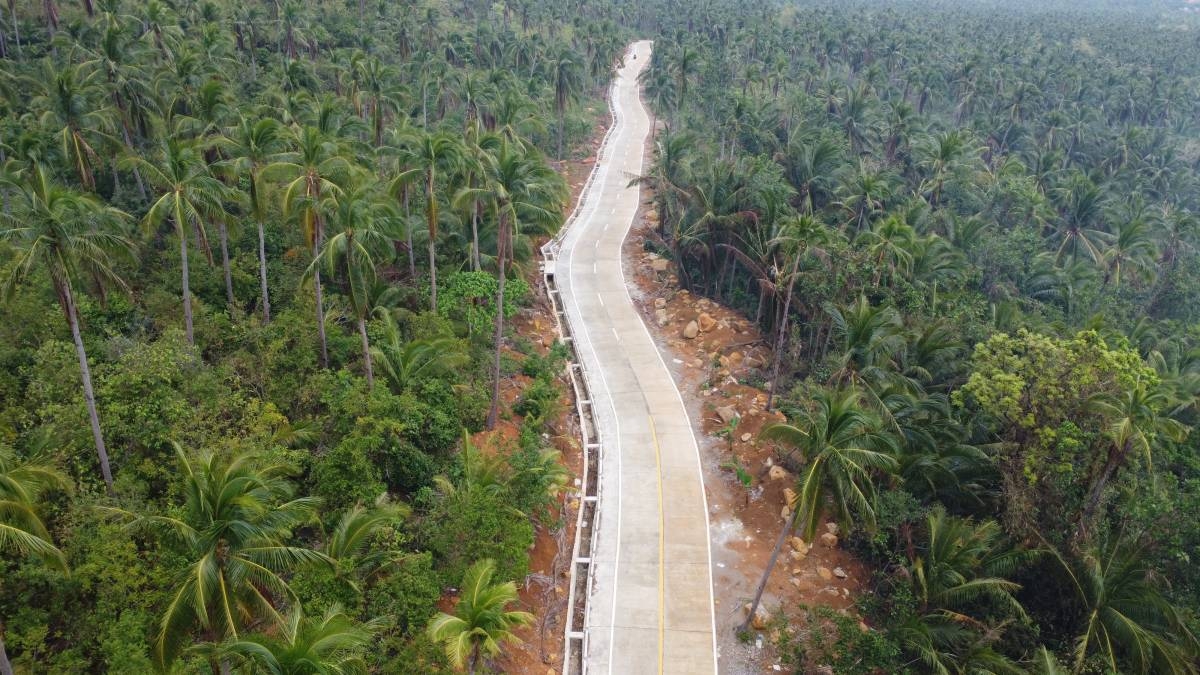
x: 67, y: 234
x: 1122, y: 617
x: 566, y: 74
x: 362, y: 236
x: 481, y: 621
x: 428, y: 154
x: 523, y: 190
x: 405, y: 362
x: 71, y: 105
x: 190, y: 196
x: 250, y: 145
x: 333, y: 644
x: 313, y: 169
x: 233, y: 527
x: 22, y: 482
x: 843, y: 447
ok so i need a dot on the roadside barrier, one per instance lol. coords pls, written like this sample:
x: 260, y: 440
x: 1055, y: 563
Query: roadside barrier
x: 575, y: 643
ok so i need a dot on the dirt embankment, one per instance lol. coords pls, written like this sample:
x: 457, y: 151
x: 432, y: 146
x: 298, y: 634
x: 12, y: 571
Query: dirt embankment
x: 714, y: 353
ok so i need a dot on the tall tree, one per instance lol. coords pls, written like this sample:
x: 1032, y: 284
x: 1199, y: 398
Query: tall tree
x: 430, y: 155
x: 250, y: 146
x: 190, y: 196
x: 314, y: 169
x: 522, y: 189
x: 66, y: 234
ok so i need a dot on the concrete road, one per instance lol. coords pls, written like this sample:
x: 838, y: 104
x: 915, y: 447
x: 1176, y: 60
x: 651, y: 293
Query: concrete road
x: 651, y: 608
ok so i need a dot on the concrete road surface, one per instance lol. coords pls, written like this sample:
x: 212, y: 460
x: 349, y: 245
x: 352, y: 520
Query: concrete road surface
x: 651, y: 608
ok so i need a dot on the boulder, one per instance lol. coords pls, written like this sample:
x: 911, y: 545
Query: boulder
x: 839, y: 573
x: 727, y: 413
x: 691, y: 330
x: 751, y: 362
x: 825, y: 573
x: 706, y: 322
x: 760, y: 619
x: 778, y: 473
x: 736, y: 358
x: 829, y: 540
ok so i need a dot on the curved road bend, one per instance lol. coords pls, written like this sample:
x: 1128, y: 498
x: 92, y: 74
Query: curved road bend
x: 651, y: 609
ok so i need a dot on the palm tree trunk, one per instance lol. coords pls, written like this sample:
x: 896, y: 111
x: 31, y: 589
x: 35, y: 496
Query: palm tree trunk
x: 1097, y: 492
x: 783, y: 325
x: 412, y: 255
x: 320, y: 318
x: 366, y: 347
x: 501, y: 251
x: 431, y: 224
x: 476, y: 258
x: 224, y: 236
x: 187, y: 291
x: 5, y: 666
x: 262, y: 272
x: 12, y: 7
x: 762, y: 583
x: 561, y: 123
x: 89, y: 396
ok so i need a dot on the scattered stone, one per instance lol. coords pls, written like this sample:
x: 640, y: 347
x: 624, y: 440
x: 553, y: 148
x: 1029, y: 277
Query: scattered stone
x: 759, y: 622
x: 661, y: 316
x: 724, y: 361
x: 785, y: 512
x: 736, y: 358
x: 840, y: 573
x: 691, y: 330
x: 660, y: 303
x: 795, y: 582
x: 746, y: 438
x: 831, y: 527
x: 798, y: 544
x: 796, y: 556
x: 659, y: 265
x: 864, y: 627
x: 751, y: 362
x: 825, y: 574
x: 706, y: 322
x: 829, y: 540
x: 778, y: 473
x: 845, y: 592
x: 727, y: 414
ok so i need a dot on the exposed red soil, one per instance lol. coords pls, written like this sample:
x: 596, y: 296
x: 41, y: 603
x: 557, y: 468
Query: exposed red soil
x: 712, y: 372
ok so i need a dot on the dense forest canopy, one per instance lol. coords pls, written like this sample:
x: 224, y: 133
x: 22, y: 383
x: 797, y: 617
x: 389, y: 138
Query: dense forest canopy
x: 257, y: 260
x: 972, y: 228
x: 251, y: 256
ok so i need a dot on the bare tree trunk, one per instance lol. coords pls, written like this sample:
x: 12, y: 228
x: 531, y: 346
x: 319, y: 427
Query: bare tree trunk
x: 408, y: 231
x: 89, y: 396
x: 366, y: 347
x: 433, y: 276
x: 187, y: 291
x: 1097, y: 492
x: 501, y: 251
x: 476, y: 258
x: 12, y: 7
x: 762, y: 583
x: 320, y: 318
x: 262, y: 272
x: 783, y: 325
x: 224, y: 235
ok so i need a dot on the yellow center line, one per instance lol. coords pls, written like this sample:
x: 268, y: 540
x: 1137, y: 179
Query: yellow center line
x: 662, y: 545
